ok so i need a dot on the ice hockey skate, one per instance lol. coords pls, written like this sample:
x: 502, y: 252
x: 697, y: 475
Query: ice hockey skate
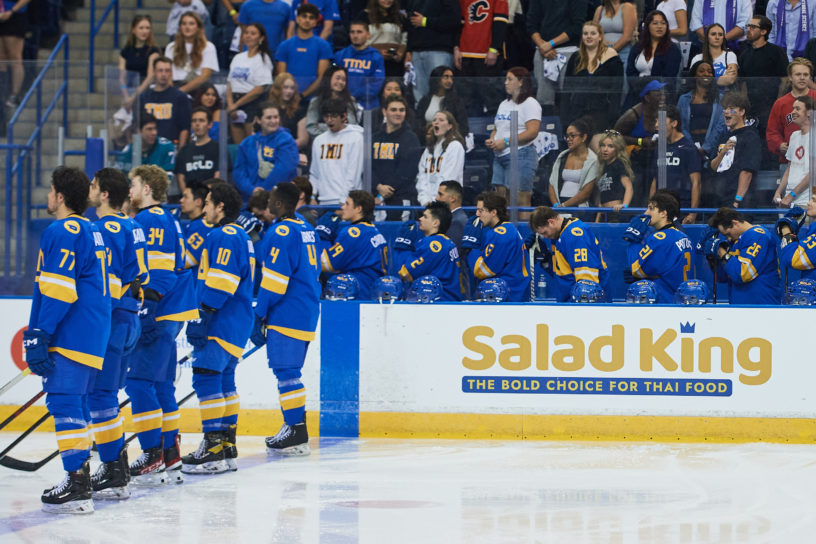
x: 148, y: 470
x: 208, y: 458
x: 110, y: 481
x: 72, y: 495
x: 291, y: 440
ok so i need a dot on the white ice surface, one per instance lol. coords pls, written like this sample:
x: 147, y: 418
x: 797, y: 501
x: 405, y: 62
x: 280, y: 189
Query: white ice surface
x: 429, y: 491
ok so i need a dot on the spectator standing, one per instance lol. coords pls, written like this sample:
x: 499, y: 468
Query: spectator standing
x: 364, y: 65
x: 677, y: 16
x: 389, y: 33
x: 194, y: 58
x: 793, y: 189
x: 701, y: 116
x: 250, y: 74
x: 654, y: 56
x: 12, y: 31
x: 327, y: 15
x: 337, y: 156
x: 168, y: 105
x: 304, y: 55
x: 333, y: 85
x: 780, y: 123
x: 572, y: 179
x: 273, y: 15
x: 450, y: 192
x: 555, y: 27
x: 794, y: 24
x: 443, y: 158
x: 284, y: 94
x: 442, y: 95
x: 615, y: 185
x: 137, y: 56
x: 432, y: 31
x: 179, y: 8
x: 394, y: 86
x: 618, y: 19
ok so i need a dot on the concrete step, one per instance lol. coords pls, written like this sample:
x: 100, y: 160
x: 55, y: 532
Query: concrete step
x: 84, y: 115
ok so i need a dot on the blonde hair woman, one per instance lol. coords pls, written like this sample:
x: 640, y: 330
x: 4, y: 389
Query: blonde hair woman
x: 194, y: 58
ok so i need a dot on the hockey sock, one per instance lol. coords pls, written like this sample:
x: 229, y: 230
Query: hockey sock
x: 106, y: 424
x: 147, y: 413
x: 166, y: 393
x: 292, y: 395
x: 73, y: 437
x: 232, y: 403
x: 207, y: 385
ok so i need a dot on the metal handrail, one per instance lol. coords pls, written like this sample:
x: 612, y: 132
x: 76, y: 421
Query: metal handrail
x: 94, y: 30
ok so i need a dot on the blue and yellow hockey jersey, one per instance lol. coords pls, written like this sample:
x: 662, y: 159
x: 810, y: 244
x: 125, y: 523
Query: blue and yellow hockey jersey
x: 663, y: 257
x: 802, y: 254
x: 752, y: 270
x: 71, y: 299
x: 436, y: 255
x: 195, y: 232
x: 125, y: 242
x: 360, y: 250
x: 165, y: 262
x: 289, y: 298
x: 577, y: 256
x: 502, y: 256
x: 225, y: 280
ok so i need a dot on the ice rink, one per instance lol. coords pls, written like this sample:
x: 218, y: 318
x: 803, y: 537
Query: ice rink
x: 428, y: 491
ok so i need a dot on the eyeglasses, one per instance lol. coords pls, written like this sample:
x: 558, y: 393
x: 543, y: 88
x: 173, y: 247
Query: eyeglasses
x: 751, y: 26
x: 569, y: 136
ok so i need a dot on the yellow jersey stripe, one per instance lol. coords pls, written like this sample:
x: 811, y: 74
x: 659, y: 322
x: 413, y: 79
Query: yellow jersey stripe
x: 58, y: 287
x: 404, y: 274
x: 158, y: 260
x: 79, y: 357
x: 306, y: 336
x: 800, y: 260
x: 183, y: 316
x: 747, y: 270
x: 232, y: 349
x: 481, y: 270
x: 215, y: 281
x: 586, y: 273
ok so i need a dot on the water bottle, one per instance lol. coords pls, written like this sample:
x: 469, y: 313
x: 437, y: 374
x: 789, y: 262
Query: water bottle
x: 541, y: 287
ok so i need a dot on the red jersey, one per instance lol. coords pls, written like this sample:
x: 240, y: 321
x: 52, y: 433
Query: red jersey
x: 483, y: 26
x: 781, y: 125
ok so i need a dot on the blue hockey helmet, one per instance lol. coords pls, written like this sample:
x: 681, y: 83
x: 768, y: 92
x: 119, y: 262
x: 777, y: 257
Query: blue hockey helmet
x: 691, y: 292
x: 425, y: 289
x: 492, y: 290
x: 585, y: 291
x: 642, y: 292
x: 342, y: 287
x: 388, y: 288
x: 801, y: 293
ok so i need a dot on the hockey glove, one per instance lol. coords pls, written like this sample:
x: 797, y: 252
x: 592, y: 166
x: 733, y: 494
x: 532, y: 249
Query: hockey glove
x: 472, y: 237
x: 197, y: 328
x: 636, y: 231
x: 249, y: 223
x: 712, y: 247
x: 708, y: 233
x: 147, y: 318
x: 407, y: 237
x: 327, y: 226
x: 258, y: 336
x: 35, y: 342
x: 264, y: 168
x: 542, y: 255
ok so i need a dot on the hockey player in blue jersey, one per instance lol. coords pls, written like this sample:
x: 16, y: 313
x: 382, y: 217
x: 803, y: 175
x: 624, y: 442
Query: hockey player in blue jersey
x: 169, y: 301
x: 425, y: 249
x: 658, y: 250
x: 127, y: 270
x: 747, y: 261
x: 68, y: 331
x: 575, y: 254
x: 219, y: 335
x: 359, y: 248
x: 197, y: 228
x: 798, y: 247
x: 495, y: 249
x: 286, y: 314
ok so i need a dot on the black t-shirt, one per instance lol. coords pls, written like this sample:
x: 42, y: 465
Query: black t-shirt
x: 682, y: 159
x: 136, y: 58
x: 197, y: 162
x: 747, y: 157
x: 767, y: 64
x: 609, y: 184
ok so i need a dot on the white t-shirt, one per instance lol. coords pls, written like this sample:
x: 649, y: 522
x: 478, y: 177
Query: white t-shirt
x: 209, y: 59
x: 669, y: 7
x: 720, y: 63
x: 529, y: 110
x: 247, y: 72
x: 439, y: 166
x: 799, y: 158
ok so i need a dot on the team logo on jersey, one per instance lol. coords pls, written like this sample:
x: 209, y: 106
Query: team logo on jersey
x: 435, y: 246
x: 478, y: 11
x: 500, y: 230
x: 72, y: 227
x: 282, y: 230
x: 576, y: 231
x: 113, y: 226
x: 157, y: 211
x: 268, y: 152
x: 229, y: 230
x: 354, y: 232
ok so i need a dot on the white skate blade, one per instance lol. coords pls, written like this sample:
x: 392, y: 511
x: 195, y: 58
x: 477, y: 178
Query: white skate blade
x: 175, y: 476
x: 232, y: 464
x: 213, y: 467
x: 152, y: 479
x: 112, y: 494
x: 73, y: 507
x: 300, y: 450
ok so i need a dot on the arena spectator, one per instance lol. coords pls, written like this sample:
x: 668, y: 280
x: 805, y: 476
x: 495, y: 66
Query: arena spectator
x: 226, y: 19
x: 443, y: 158
x: 198, y: 160
x: 137, y: 56
x: 780, y: 124
x: 155, y: 150
x: 555, y: 27
x: 394, y: 86
x: 194, y: 58
x: 250, y: 74
x: 615, y: 183
x: 677, y: 16
x: 700, y: 112
x: 168, y: 105
x: 304, y: 201
x: 432, y: 30
x: 573, y: 175
x: 209, y: 98
x: 793, y: 189
x: 395, y: 148
x: 716, y: 53
x: 592, y: 79
x: 478, y: 55
x: 179, y: 8
x: 450, y: 192
x: 337, y: 156
x: 441, y: 95
x: 333, y: 86
x: 273, y: 15
x: 265, y: 158
x: 389, y: 33
x: 304, y: 55
x: 733, y: 15
x: 519, y: 87
x: 284, y: 94
x: 654, y: 56
x: 618, y: 19
x: 12, y: 32
x: 739, y: 156
x: 795, y: 24
x: 327, y: 15
x: 364, y: 66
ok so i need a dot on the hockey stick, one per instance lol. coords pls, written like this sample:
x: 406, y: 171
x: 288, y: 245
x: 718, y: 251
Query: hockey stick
x: 714, y: 294
x: 22, y: 409
x: 14, y: 381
